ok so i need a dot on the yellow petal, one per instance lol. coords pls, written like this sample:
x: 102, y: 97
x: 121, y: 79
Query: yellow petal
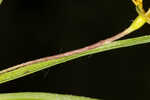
x: 138, y: 3
x: 148, y: 16
x: 141, y: 11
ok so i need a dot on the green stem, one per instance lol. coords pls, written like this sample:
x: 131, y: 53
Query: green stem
x: 103, y: 45
x: 34, y: 66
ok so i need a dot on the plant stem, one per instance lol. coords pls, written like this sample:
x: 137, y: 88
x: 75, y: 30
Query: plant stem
x: 103, y: 45
x: 87, y: 48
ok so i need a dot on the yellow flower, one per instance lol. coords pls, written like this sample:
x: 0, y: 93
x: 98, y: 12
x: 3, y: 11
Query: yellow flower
x: 141, y: 11
x: 142, y: 18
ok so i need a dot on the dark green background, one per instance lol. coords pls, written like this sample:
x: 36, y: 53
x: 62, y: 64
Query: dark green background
x: 31, y: 29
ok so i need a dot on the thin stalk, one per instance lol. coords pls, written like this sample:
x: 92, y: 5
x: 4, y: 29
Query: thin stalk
x: 46, y: 62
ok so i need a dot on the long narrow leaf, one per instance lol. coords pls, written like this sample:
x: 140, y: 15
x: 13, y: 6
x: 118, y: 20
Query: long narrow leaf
x: 17, y: 72
x: 40, y: 96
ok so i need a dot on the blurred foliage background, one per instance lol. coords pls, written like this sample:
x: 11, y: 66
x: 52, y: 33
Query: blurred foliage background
x: 38, y: 28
